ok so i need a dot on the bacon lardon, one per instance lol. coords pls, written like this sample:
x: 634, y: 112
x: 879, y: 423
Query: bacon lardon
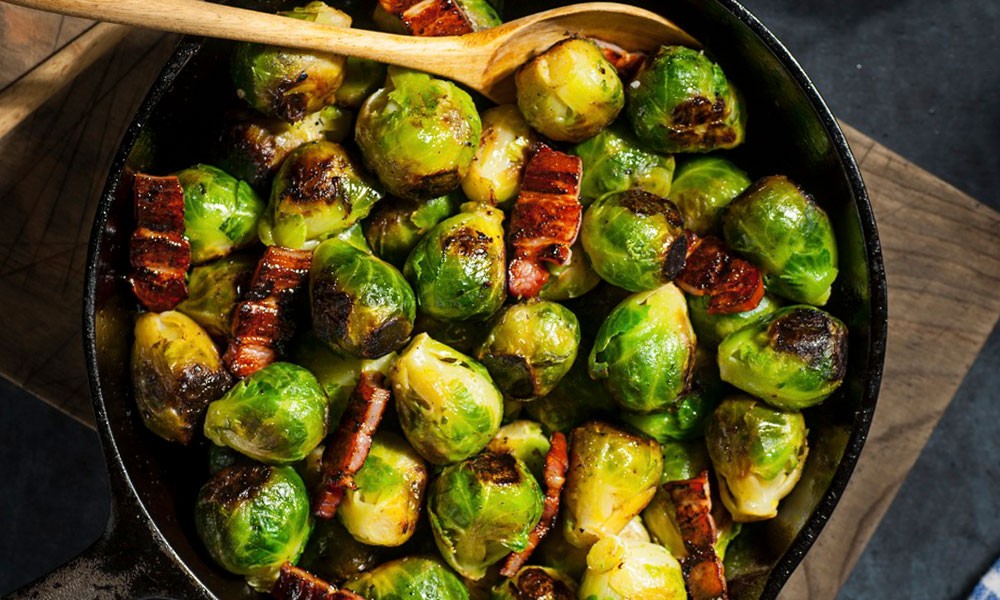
x: 545, y: 220
x: 732, y: 283
x: 702, y: 568
x: 298, y: 584
x: 158, y: 251
x: 430, y: 18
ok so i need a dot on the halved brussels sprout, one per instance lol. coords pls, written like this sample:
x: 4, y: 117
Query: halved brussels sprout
x: 571, y: 280
x: 409, y: 578
x: 396, y: 224
x: 620, y: 570
x: 792, y: 359
x: 612, y: 476
x: 703, y: 186
x: 220, y: 212
x: 214, y: 288
x: 575, y: 399
x: 481, y: 509
x: 644, y: 350
x: 569, y: 92
x: 319, y: 192
x: 333, y: 554
x: 530, y: 347
x: 361, y: 78
x: 787, y: 235
x: 458, y: 269
x: 613, y: 161
x: 634, y: 240
x: 252, y: 519
x: 494, y: 176
x: 681, y: 101
x: 758, y: 453
x: 288, y: 83
x: 176, y: 371
x: 536, y: 583
x: 448, y: 406
x: 525, y: 440
x: 277, y: 415
x: 418, y: 134
x: 712, y: 328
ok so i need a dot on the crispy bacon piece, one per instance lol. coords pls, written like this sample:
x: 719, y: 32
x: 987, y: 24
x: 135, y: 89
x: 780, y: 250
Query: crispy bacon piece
x: 556, y: 465
x: 262, y: 322
x: 703, y: 572
x: 545, y: 219
x: 626, y: 63
x: 298, y: 584
x: 429, y: 18
x: 158, y: 251
x: 732, y: 283
x: 348, y: 448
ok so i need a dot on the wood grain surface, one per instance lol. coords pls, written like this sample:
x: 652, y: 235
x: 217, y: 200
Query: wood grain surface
x: 942, y: 249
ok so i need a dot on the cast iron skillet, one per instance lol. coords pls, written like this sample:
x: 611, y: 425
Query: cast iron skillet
x: 150, y: 548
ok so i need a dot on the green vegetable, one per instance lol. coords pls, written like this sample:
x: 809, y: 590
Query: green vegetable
x: 575, y: 399
x: 361, y: 78
x: 613, y: 161
x: 526, y: 441
x: 703, y: 186
x: 620, y: 570
x: 537, y: 583
x: 494, y: 176
x: 711, y: 329
x: 333, y: 554
x: 214, y: 288
x: 571, y: 280
x: 408, y: 579
x: 396, y: 225
x: 220, y: 212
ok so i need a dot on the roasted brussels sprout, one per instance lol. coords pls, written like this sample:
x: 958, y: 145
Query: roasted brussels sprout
x: 569, y: 92
x: 214, y: 288
x: 530, y: 347
x: 361, y: 78
x: 526, y: 441
x: 481, y: 509
x: 758, y: 453
x: 644, y: 350
x: 252, y: 519
x: 634, y: 240
x: 220, y: 212
x: 536, y: 583
x: 448, y: 406
x: 571, y: 280
x: 680, y: 101
x: 419, y: 134
x: 792, y: 359
x: 620, y: 570
x: 288, y: 83
x: 612, y: 476
x: 575, y: 399
x: 613, y: 161
x: 712, y: 328
x: 787, y: 235
x: 396, y: 225
x: 277, y: 415
x: 703, y: 186
x: 333, y: 554
x: 458, y: 269
x: 176, y: 372
x: 318, y: 192
x: 409, y: 578
x: 494, y: 176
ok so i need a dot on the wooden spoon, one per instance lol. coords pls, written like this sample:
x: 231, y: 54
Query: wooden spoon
x: 484, y: 61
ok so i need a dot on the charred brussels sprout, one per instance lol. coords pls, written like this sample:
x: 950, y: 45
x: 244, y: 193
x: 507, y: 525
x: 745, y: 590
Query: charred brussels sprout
x: 253, y: 518
x: 361, y: 305
x: 288, y: 83
x: 176, y: 372
x: 494, y: 176
x: 318, y: 193
x: 396, y: 225
x: 712, y: 328
x: 571, y: 280
x: 361, y: 78
x: 524, y: 440
x: 277, y: 415
x: 785, y: 233
x: 482, y: 509
x: 419, y: 134
x: 703, y: 187
x: 333, y: 554
x: 409, y: 578
x: 614, y: 162
x: 620, y: 570
x: 682, y: 102
x: 220, y: 212
x: 458, y: 269
x: 612, y: 476
x: 448, y: 406
x: 530, y: 348
x: 536, y: 583
x: 214, y: 289
x: 758, y: 453
x: 634, y: 240
x: 792, y: 359
x: 569, y: 92
x: 644, y: 350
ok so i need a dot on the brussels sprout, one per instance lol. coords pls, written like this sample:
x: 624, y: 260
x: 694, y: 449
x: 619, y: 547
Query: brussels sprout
x: 252, y: 519
x: 361, y: 78
x: 571, y: 280
x: 481, y: 509
x: 703, y: 187
x: 575, y: 399
x: 448, y: 406
x: 526, y: 441
x: 758, y: 453
x: 396, y: 225
x: 494, y: 176
x: 288, y: 83
x: 785, y: 233
x: 220, y: 212
x: 634, y: 531
x: 481, y: 13
x: 318, y: 192
x: 214, y: 288
x: 333, y: 554
x: 792, y: 359
x: 680, y: 101
x: 570, y: 91
x: 409, y: 578
x: 530, y: 347
x: 176, y: 372
x: 612, y: 475
x: 634, y: 240
x: 644, y: 350
x: 536, y: 583
x: 712, y: 328
x: 419, y: 134
x: 613, y: 161
x: 277, y: 415
x: 458, y: 269
x: 620, y: 570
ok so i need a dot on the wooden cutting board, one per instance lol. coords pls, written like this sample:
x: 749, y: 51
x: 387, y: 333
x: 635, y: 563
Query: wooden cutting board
x: 941, y: 249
